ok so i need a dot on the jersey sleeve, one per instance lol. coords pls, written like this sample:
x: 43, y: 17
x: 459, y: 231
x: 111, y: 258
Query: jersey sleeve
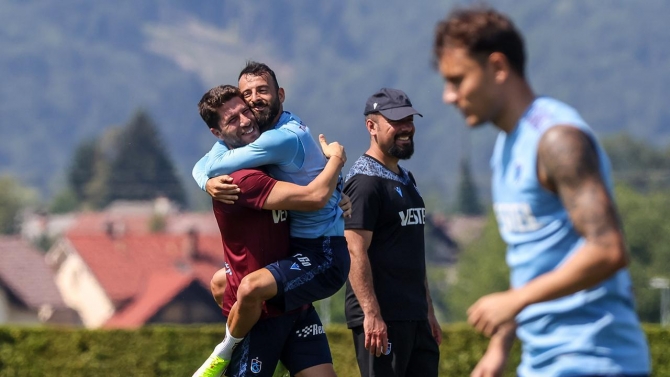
x: 255, y: 186
x: 199, y: 171
x: 273, y: 147
x: 365, y: 203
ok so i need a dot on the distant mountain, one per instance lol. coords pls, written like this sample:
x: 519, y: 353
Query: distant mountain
x: 72, y: 68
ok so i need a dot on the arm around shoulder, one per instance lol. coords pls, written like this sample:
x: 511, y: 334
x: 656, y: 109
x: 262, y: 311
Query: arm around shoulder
x: 314, y: 196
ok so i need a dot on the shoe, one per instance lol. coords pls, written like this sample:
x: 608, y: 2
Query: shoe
x: 213, y: 367
x: 280, y: 371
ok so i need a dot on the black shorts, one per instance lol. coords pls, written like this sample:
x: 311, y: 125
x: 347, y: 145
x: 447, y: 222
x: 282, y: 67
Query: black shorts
x: 413, y: 352
x: 317, y: 269
x: 297, y: 339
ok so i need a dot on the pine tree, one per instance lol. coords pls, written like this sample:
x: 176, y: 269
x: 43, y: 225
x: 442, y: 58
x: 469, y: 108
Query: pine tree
x: 467, y: 199
x: 141, y: 169
x: 82, y: 168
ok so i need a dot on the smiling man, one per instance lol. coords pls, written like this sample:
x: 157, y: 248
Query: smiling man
x: 255, y: 235
x: 319, y: 263
x: 388, y: 305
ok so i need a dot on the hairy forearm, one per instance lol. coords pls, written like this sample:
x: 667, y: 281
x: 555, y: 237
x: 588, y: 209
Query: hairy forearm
x: 429, y: 299
x: 323, y: 186
x: 360, y: 277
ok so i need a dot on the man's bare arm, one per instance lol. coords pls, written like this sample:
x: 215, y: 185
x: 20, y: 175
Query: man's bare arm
x: 360, y: 278
x: 315, y: 195
x: 568, y: 164
x: 493, y: 363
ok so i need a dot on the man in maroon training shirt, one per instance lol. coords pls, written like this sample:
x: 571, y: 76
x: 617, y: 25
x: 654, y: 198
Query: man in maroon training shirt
x: 255, y: 234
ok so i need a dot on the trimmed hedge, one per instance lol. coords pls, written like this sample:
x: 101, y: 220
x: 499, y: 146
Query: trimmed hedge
x: 179, y: 351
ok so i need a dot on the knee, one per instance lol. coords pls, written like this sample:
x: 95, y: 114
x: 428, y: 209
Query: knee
x: 218, y: 285
x: 251, y: 289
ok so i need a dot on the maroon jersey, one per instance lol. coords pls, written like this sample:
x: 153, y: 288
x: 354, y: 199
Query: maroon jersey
x: 252, y: 237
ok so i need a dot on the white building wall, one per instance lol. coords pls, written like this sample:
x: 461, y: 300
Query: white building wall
x: 79, y: 288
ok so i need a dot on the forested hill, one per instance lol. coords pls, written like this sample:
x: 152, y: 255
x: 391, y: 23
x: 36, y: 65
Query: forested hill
x: 70, y: 69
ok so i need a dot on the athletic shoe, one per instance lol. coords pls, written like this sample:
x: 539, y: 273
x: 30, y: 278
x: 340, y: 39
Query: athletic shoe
x: 280, y: 371
x: 213, y: 367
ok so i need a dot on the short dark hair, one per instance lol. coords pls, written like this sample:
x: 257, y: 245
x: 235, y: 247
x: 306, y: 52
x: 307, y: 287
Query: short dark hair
x: 213, y: 99
x: 259, y: 69
x: 481, y: 31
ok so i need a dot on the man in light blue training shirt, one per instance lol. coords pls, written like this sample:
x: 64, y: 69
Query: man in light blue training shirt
x: 571, y: 301
x: 320, y: 261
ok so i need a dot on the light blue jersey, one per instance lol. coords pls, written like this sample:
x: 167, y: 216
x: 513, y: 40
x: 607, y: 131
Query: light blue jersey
x: 592, y: 332
x: 292, y: 155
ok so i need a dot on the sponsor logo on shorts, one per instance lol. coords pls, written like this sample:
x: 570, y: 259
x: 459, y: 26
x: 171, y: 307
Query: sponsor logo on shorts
x: 388, y: 349
x: 256, y: 365
x: 303, y: 260
x: 310, y: 330
x: 295, y: 266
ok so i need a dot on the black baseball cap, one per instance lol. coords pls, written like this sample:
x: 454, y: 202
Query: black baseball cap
x: 393, y: 104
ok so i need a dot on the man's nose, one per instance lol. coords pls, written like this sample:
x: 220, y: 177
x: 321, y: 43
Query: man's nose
x: 449, y: 95
x: 254, y: 96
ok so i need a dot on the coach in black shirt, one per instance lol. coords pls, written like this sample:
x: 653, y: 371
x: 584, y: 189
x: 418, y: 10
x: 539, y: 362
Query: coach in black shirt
x: 388, y: 305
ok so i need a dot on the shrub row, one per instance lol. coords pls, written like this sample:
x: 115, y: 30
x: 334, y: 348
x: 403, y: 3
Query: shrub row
x: 179, y: 350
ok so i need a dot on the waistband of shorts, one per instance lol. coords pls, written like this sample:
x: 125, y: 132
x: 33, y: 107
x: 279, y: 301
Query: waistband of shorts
x: 318, y: 240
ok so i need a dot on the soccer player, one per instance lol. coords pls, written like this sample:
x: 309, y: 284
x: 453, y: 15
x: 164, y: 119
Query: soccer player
x: 320, y: 260
x: 255, y: 234
x: 388, y: 305
x: 571, y: 301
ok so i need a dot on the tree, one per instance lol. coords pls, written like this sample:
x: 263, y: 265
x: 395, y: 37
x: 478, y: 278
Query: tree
x: 13, y: 198
x: 82, y: 168
x: 467, y: 200
x: 142, y: 170
x: 638, y: 164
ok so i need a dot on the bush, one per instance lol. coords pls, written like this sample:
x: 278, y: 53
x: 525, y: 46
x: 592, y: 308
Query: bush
x: 179, y: 351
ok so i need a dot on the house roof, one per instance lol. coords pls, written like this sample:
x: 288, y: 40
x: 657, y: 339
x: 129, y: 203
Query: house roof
x: 25, y: 273
x: 158, y: 290
x: 123, y: 264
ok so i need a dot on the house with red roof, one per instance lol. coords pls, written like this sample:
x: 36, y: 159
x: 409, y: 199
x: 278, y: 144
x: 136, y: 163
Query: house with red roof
x: 124, y: 271
x: 28, y: 294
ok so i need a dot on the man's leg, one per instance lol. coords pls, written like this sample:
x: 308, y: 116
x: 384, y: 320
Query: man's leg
x: 306, y: 352
x: 323, y: 370
x: 425, y: 357
x: 258, y: 354
x: 254, y: 288
x: 317, y: 269
x: 218, y: 285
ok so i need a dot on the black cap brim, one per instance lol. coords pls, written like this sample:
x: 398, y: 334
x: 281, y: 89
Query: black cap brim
x: 399, y: 113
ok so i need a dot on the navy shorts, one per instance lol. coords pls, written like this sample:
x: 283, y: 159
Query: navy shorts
x: 297, y: 339
x: 317, y: 269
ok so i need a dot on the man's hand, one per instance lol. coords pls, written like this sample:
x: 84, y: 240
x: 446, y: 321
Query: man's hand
x: 345, y: 205
x: 333, y: 149
x: 222, y: 189
x: 494, y: 310
x: 376, y: 335
x: 492, y: 364
x: 435, y: 328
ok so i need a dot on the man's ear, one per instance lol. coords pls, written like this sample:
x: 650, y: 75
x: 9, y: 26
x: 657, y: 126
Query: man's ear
x: 281, y: 94
x: 216, y: 132
x: 500, y: 65
x: 371, y: 126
